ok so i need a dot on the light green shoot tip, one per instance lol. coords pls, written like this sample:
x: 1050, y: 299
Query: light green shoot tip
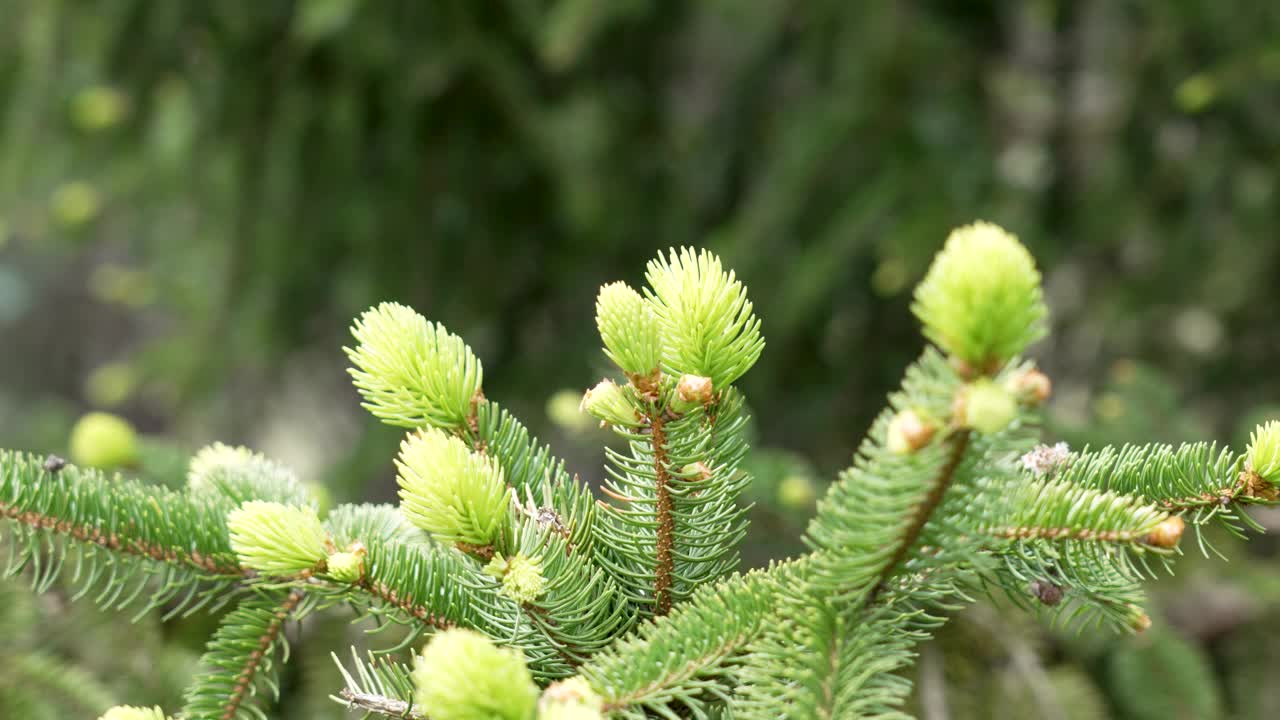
x: 457, y: 495
x: 1264, y: 451
x: 708, y: 327
x: 981, y: 300
x: 462, y: 675
x: 413, y: 373
x: 277, y: 539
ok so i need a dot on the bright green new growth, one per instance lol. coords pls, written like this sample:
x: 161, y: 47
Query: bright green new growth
x: 521, y: 576
x: 981, y: 299
x: 707, y: 325
x: 462, y: 675
x: 629, y: 328
x: 608, y: 403
x: 988, y: 407
x: 413, y: 373
x: 1264, y: 451
x: 128, y: 712
x: 239, y: 474
x: 571, y: 699
x: 103, y: 440
x: 634, y: 607
x: 345, y: 567
x: 278, y: 539
x: 457, y: 495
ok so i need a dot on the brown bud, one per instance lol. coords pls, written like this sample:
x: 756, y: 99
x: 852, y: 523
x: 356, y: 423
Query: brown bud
x: 962, y: 368
x: 646, y: 385
x: 1047, y: 592
x: 1032, y: 387
x: 1142, y: 622
x: 53, y: 463
x: 694, y: 389
x: 909, y: 432
x: 1167, y: 533
x: 1256, y: 487
x: 697, y: 471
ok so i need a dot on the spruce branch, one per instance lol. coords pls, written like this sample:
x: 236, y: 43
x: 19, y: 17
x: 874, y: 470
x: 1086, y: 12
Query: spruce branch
x: 127, y: 540
x: 521, y: 579
x: 240, y: 660
x: 1202, y: 481
x: 696, y: 456
x: 687, y: 657
x: 923, y: 512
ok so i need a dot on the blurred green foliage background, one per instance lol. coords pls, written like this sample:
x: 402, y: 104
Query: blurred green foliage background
x: 197, y: 197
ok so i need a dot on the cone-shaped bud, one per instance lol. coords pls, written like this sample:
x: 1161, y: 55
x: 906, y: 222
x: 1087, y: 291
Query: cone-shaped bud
x: 1264, y: 452
x: 1167, y: 533
x: 277, y: 539
x: 1047, y: 592
x: 694, y: 389
x: 609, y: 404
x: 691, y: 392
x: 103, y: 440
x: 571, y: 699
x: 908, y: 432
x: 981, y: 300
x: 1031, y: 387
x: 129, y: 712
x: 413, y: 373
x: 346, y: 567
x: 986, y: 407
x: 462, y: 675
x: 521, y: 576
x: 451, y: 492
x: 706, y: 321
x: 629, y: 329
x: 1141, y: 622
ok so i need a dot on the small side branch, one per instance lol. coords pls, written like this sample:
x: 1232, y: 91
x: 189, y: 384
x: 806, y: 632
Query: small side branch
x: 244, y: 680
x: 95, y: 536
x: 1248, y: 486
x: 379, y: 704
x: 924, y: 511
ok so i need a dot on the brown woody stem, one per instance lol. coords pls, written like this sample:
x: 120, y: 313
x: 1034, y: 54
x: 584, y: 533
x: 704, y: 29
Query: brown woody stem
x: 924, y: 511
x: 245, y: 679
x: 664, y: 566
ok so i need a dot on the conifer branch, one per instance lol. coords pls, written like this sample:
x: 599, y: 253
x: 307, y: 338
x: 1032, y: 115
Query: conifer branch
x: 244, y: 679
x: 923, y: 512
x: 502, y: 557
x: 113, y: 542
x: 239, y: 660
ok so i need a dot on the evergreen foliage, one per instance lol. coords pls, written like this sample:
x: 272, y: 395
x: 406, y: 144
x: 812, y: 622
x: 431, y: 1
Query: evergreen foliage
x: 541, y: 601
